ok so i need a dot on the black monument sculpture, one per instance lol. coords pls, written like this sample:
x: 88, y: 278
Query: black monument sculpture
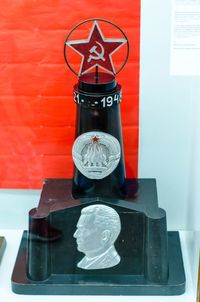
x: 99, y: 233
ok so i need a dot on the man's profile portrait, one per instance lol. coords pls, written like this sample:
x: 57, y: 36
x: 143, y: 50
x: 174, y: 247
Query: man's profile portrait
x: 97, y: 229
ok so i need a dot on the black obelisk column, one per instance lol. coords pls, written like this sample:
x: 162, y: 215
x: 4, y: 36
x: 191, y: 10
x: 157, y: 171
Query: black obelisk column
x: 98, y: 98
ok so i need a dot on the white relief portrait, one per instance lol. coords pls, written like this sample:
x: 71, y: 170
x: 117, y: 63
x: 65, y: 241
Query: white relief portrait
x: 97, y: 230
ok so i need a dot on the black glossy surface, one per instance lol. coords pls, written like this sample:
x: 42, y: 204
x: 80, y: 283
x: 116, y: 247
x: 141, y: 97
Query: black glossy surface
x: 80, y: 284
x: 89, y: 82
x: 49, y: 255
x: 141, y: 195
x: 107, y: 120
x: 58, y: 211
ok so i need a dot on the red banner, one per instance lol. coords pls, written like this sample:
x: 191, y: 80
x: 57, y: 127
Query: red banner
x: 37, y: 112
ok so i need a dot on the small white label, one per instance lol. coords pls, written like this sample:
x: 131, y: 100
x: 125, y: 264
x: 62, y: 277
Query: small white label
x: 185, y: 38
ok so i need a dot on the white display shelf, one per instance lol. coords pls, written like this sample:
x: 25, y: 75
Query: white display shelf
x: 13, y: 238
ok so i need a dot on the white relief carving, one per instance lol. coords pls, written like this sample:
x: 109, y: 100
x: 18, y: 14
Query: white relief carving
x: 97, y: 230
x: 96, y: 154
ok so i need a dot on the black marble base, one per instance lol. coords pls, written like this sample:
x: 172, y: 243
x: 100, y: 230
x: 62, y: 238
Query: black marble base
x: 69, y: 284
x: 2, y: 246
x: 151, y: 260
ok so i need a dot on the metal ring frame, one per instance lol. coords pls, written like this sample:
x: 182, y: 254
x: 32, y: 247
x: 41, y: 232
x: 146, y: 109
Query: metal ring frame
x: 89, y: 20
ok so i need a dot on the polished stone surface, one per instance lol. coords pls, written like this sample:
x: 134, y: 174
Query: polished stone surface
x: 102, y: 284
x: 151, y: 259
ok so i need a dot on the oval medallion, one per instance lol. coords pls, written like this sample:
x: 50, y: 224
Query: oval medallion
x: 96, y: 154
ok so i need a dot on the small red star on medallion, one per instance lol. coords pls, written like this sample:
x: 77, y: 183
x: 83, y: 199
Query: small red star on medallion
x: 95, y: 139
x: 96, y: 50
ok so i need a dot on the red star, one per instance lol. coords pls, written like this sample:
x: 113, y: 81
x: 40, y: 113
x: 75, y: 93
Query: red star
x: 95, y: 139
x: 96, y: 50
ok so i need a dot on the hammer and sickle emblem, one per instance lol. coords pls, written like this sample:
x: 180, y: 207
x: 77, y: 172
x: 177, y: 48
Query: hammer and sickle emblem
x: 98, y: 55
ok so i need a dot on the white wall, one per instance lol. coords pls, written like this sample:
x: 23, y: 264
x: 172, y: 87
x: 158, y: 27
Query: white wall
x: 166, y: 124
x: 169, y: 146
x: 193, y: 208
x: 15, y: 206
